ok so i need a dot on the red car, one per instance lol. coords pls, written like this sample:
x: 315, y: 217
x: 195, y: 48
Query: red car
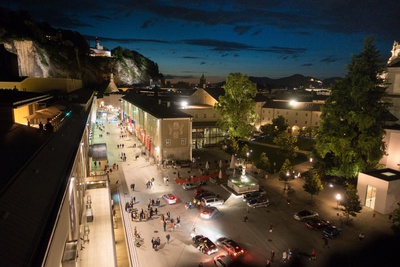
x: 316, y: 223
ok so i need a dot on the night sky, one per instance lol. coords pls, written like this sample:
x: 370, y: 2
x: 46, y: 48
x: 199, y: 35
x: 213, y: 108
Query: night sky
x: 263, y: 38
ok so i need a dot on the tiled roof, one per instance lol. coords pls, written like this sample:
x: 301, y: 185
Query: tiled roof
x: 153, y: 106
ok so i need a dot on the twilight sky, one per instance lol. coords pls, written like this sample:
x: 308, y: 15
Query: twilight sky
x: 263, y: 38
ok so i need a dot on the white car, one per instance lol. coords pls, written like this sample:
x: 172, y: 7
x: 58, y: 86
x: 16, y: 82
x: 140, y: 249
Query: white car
x: 208, y: 212
x: 170, y: 198
x: 188, y: 186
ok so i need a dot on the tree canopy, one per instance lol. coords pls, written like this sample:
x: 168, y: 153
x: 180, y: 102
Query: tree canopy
x: 312, y: 184
x: 236, y: 108
x: 351, y: 202
x: 350, y: 136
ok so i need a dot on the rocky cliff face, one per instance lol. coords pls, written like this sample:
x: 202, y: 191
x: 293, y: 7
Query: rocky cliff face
x: 48, y: 53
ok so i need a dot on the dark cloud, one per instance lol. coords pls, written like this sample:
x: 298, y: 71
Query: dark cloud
x: 218, y: 45
x: 242, y: 29
x: 329, y: 59
x: 127, y: 40
x: 307, y: 65
x: 171, y: 76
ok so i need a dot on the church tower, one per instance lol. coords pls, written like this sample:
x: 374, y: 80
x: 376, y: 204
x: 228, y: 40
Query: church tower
x: 203, y: 81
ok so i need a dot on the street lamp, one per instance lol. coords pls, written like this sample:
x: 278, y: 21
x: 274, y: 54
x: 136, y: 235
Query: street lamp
x: 338, y: 198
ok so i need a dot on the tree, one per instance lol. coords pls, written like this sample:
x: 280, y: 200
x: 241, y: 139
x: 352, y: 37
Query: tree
x: 351, y: 202
x: 395, y: 217
x: 277, y: 126
x: 313, y: 183
x: 350, y: 136
x: 236, y: 108
x: 263, y: 163
x: 232, y: 147
x: 244, y: 151
x: 286, y: 173
x: 287, y: 144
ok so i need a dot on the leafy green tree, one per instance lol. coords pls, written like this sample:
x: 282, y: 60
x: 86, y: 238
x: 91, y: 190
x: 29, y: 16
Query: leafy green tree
x: 287, y: 144
x: 312, y: 184
x: 395, y: 216
x: 286, y: 173
x: 350, y: 136
x: 273, y: 129
x: 236, y: 108
x: 351, y: 202
x: 243, y: 152
x: 263, y: 162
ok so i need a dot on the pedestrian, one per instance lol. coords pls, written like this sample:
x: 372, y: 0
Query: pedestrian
x: 168, y: 238
x: 200, y: 264
x: 271, y: 226
x: 326, y: 242
x: 361, y: 237
x: 272, y: 255
x: 284, y: 256
x: 152, y: 243
x: 268, y: 263
x: 193, y: 233
x: 313, y: 255
x: 156, y: 211
x: 165, y: 226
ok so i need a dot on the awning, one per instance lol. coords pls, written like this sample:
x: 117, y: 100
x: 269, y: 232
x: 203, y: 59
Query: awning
x: 98, y: 152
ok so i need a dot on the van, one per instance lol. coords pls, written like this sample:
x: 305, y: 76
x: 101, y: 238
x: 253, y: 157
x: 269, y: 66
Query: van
x: 211, y: 201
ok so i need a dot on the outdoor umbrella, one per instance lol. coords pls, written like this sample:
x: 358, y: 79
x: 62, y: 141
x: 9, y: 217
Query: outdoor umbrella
x: 207, y: 165
x: 232, y: 166
x: 220, y: 174
x: 220, y: 164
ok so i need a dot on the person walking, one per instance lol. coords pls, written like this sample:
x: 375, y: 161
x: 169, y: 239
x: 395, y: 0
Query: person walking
x: 165, y: 226
x: 168, y: 238
x: 361, y: 237
x: 326, y: 242
x: 271, y: 226
x: 272, y: 255
x: 313, y: 255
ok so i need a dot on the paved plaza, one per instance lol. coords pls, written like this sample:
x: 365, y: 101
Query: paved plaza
x: 288, y: 233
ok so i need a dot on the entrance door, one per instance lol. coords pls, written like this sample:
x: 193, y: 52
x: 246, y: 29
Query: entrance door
x: 371, y: 196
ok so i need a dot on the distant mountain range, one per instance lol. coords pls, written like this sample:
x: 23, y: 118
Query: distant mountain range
x: 295, y: 81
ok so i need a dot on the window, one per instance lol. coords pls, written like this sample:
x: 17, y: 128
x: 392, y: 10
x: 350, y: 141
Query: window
x: 277, y: 112
x: 204, y: 115
x: 183, y: 141
x: 306, y: 114
x: 168, y: 142
x: 196, y: 116
x: 297, y: 113
x: 295, y: 121
x: 287, y: 112
x: 305, y: 122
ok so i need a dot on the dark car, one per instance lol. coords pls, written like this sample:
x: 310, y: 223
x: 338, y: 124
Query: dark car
x: 331, y: 231
x: 223, y: 261
x: 230, y: 246
x: 199, y: 191
x: 316, y: 223
x: 305, y: 214
x: 251, y: 195
x: 204, y: 244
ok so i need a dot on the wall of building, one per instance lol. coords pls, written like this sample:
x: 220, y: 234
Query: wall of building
x: 41, y: 85
x: 381, y: 186
x: 392, y: 140
x: 393, y: 80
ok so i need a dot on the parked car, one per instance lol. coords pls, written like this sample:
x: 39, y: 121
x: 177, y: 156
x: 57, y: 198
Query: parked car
x: 188, y: 186
x: 197, y: 199
x: 230, y: 246
x: 304, y: 214
x: 258, y: 203
x: 204, y: 244
x: 199, y: 191
x: 170, y: 198
x: 331, y: 231
x: 251, y: 195
x: 316, y: 223
x: 211, y: 201
x: 208, y: 212
x: 223, y: 261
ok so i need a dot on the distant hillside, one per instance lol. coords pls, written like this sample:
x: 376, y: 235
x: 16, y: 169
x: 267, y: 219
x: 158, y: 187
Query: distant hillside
x: 295, y: 81
x: 42, y: 51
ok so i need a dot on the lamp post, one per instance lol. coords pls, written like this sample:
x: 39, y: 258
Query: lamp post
x: 338, y: 198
